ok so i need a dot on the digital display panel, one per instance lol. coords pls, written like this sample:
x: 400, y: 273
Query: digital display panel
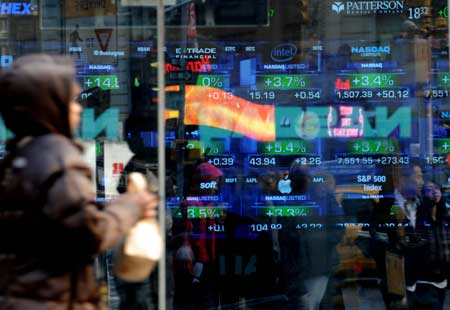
x: 279, y: 113
x: 257, y: 109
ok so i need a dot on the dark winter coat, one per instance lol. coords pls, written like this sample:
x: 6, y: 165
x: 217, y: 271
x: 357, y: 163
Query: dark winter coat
x: 51, y: 227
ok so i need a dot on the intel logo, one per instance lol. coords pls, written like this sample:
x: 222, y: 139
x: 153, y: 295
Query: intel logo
x: 283, y: 52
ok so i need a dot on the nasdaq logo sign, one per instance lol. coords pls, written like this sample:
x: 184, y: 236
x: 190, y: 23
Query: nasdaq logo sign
x: 106, y: 124
x: 283, y: 52
x: 371, y: 51
x: 16, y: 8
x: 6, y: 61
x: 343, y: 122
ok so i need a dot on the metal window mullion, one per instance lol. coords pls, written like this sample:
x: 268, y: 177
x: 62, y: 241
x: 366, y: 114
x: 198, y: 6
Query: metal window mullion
x: 161, y: 155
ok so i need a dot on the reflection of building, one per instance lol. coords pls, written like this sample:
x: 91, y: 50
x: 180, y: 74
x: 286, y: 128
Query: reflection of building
x: 18, y: 22
x: 4, y: 34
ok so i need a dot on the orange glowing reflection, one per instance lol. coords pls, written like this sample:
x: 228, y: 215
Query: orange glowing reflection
x: 217, y: 108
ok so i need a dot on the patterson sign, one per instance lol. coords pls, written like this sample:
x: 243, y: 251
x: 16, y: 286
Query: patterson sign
x: 368, y: 7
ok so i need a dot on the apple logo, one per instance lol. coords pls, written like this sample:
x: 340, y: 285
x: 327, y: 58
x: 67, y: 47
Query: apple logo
x: 284, y: 185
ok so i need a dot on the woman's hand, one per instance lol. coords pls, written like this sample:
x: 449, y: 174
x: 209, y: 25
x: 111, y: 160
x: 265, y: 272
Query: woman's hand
x: 146, y: 201
x: 151, y: 208
x: 138, y: 184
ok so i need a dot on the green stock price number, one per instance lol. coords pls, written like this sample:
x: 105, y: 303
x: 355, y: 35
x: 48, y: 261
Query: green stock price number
x: 195, y: 212
x: 209, y: 212
x: 373, y: 146
x: 372, y: 80
x: 286, y: 147
x: 213, y: 148
x: 104, y: 82
x: 283, y: 81
x: 291, y: 211
x: 217, y: 81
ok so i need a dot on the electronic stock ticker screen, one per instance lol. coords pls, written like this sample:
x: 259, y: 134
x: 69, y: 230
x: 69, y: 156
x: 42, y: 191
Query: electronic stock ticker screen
x: 288, y: 123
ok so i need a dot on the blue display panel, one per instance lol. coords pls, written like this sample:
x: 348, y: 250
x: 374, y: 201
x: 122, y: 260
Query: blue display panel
x: 254, y: 109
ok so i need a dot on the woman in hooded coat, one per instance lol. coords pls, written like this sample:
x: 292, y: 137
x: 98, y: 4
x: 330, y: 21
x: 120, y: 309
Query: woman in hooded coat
x: 51, y: 227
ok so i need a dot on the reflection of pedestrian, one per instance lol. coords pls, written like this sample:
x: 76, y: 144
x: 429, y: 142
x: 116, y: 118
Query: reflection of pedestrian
x: 74, y: 39
x: 143, y: 295
x: 408, y: 29
x: 46, y: 198
x: 292, y: 282
x: 396, y: 218
x: 195, y: 253
x: 308, y: 255
x: 251, y: 264
x: 428, y: 255
x: 319, y: 244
